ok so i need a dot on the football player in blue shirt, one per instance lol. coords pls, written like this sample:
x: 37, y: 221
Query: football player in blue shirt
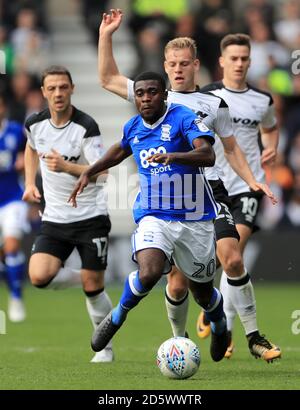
x: 174, y: 209
x: 13, y: 212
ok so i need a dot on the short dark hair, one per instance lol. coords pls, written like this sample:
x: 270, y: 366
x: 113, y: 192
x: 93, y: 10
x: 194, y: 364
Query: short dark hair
x: 238, y: 39
x: 56, y: 69
x: 151, y: 75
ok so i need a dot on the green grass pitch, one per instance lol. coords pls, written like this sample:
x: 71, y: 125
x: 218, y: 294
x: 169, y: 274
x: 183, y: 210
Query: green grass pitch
x: 51, y: 349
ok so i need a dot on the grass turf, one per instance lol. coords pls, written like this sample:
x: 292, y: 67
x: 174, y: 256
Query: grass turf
x: 50, y: 350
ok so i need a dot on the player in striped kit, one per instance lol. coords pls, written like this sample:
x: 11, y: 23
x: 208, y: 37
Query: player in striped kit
x: 64, y: 141
x: 252, y: 112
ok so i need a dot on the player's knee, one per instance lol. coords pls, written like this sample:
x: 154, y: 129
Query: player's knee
x: 91, y: 284
x: 149, y: 276
x: 177, y: 285
x: 177, y: 289
x: 38, y: 280
x: 233, y: 265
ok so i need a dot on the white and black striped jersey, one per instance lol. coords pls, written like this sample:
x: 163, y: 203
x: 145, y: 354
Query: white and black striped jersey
x: 248, y: 109
x: 211, y: 110
x: 78, y: 141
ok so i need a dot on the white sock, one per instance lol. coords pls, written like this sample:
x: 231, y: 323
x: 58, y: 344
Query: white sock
x: 69, y: 275
x: 228, y: 307
x: 98, y: 307
x: 177, y: 313
x: 243, y: 299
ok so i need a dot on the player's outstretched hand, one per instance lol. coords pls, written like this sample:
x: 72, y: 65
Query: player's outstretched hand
x: 110, y: 22
x: 79, y: 187
x: 257, y: 186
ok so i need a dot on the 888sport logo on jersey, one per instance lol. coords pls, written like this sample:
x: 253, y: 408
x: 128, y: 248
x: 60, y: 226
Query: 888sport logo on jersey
x: 155, y: 167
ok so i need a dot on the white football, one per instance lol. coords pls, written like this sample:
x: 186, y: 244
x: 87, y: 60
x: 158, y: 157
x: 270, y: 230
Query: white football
x: 178, y: 358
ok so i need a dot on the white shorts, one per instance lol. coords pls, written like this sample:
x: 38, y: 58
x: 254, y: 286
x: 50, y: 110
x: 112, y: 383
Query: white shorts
x: 190, y: 244
x: 13, y: 220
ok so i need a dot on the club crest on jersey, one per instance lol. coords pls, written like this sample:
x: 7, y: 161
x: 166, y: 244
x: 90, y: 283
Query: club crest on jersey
x: 202, y: 127
x: 136, y: 140
x: 165, y: 132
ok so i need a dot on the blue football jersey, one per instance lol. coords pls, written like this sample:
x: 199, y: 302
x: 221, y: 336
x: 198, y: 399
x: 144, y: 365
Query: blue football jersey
x: 12, y: 141
x: 172, y: 192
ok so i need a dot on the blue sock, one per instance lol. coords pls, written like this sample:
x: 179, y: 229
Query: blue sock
x: 215, y: 314
x: 133, y: 292
x: 14, y: 263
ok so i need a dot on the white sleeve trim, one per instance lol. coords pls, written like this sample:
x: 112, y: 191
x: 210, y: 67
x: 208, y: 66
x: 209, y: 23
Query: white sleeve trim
x: 130, y: 91
x: 223, y: 124
x: 30, y: 139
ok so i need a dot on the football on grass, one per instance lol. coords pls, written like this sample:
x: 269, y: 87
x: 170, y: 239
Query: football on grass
x: 178, y: 358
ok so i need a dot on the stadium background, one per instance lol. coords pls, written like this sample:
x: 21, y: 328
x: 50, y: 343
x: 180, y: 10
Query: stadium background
x: 65, y: 32
x: 35, y: 33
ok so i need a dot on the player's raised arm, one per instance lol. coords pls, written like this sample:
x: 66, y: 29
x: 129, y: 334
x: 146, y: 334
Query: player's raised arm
x: 109, y: 75
x: 114, y: 156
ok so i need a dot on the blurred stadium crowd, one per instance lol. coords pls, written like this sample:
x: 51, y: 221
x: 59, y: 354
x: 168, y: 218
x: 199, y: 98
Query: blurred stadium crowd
x: 274, y: 27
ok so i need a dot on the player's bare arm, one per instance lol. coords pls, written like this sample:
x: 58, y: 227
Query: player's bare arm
x: 109, y: 75
x: 114, y: 156
x: 31, y: 160
x: 239, y: 164
x: 56, y: 163
x: 269, y: 138
x: 202, y: 156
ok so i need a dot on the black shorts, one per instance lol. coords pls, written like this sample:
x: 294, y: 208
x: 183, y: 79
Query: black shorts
x: 224, y: 222
x: 245, y: 208
x: 90, y: 237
